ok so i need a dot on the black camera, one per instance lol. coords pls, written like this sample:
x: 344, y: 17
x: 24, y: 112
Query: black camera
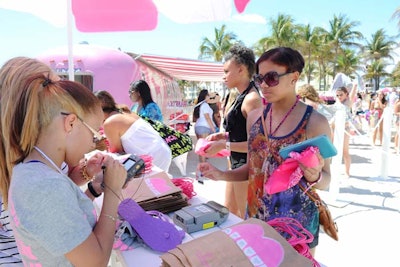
x: 134, y: 165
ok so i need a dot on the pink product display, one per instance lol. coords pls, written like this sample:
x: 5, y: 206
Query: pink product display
x: 288, y: 174
x: 202, y: 145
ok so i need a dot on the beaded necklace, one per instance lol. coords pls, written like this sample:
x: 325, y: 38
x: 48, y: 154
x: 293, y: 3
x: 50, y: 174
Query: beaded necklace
x: 272, y: 133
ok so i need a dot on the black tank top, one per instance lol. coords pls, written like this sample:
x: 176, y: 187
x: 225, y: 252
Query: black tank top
x: 235, y: 124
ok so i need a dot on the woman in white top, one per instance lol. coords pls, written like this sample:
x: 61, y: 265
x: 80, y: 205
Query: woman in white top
x: 128, y: 133
x: 203, y: 116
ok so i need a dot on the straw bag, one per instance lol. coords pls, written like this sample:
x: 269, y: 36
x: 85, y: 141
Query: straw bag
x: 325, y: 216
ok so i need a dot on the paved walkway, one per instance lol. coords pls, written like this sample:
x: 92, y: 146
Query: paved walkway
x: 366, y: 207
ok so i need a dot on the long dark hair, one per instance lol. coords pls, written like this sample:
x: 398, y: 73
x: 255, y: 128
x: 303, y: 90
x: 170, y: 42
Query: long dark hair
x: 143, y: 88
x: 202, y: 96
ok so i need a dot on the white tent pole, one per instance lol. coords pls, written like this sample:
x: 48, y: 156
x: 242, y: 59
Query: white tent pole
x: 387, y: 132
x: 336, y: 165
x: 71, y: 71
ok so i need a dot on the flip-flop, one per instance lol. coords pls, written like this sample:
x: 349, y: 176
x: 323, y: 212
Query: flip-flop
x: 158, y: 234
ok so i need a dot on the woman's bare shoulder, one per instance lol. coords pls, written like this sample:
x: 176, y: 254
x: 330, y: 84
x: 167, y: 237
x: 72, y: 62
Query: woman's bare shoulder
x: 254, y: 115
x: 118, y: 120
x: 318, y: 124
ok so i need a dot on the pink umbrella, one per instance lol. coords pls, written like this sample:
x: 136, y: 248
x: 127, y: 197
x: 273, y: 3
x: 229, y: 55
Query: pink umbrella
x: 122, y: 15
x: 125, y: 15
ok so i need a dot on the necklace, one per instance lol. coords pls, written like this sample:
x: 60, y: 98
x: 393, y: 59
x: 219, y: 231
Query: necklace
x: 272, y: 133
x: 48, y: 159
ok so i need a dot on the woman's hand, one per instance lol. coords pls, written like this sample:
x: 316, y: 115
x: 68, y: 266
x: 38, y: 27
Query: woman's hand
x: 94, y: 163
x: 114, y: 174
x: 312, y: 174
x: 207, y: 170
x: 214, y: 147
x: 215, y: 137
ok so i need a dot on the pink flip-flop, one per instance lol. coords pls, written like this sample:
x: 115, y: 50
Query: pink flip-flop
x: 158, y: 234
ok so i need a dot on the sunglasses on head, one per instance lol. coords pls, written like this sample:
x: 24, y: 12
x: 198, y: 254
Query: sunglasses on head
x: 97, y: 137
x: 270, y: 78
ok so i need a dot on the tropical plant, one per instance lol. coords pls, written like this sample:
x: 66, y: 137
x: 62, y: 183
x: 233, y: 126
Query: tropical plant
x: 379, y: 47
x: 309, y: 39
x: 283, y: 33
x: 217, y: 48
x: 348, y: 63
x: 376, y: 71
x: 342, y: 35
x: 396, y: 76
x: 396, y: 15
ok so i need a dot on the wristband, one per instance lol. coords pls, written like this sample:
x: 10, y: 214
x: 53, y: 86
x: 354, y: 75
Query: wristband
x: 316, y: 181
x: 227, y: 136
x: 228, y: 145
x: 92, y: 191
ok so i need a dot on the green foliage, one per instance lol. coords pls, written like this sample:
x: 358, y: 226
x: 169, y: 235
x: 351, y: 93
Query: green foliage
x: 339, y: 48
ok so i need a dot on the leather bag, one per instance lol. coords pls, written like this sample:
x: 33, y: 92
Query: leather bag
x: 325, y: 217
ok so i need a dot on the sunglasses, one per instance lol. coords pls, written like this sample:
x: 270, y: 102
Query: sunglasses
x: 97, y: 137
x: 270, y: 78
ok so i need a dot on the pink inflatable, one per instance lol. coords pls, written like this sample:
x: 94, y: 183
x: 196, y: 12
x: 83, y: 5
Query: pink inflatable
x: 102, y: 68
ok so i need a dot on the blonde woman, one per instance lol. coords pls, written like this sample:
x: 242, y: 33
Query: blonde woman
x: 55, y: 224
x: 310, y: 96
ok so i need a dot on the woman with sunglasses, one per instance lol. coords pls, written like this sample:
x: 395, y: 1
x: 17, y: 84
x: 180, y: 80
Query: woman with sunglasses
x: 285, y: 120
x: 239, y: 68
x: 54, y: 222
x: 13, y: 74
x: 140, y: 94
x: 129, y: 133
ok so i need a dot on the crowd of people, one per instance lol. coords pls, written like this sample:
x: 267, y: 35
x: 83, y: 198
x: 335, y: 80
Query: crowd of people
x: 49, y: 125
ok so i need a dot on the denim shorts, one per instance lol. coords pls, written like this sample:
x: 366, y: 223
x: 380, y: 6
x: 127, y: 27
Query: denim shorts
x: 201, y: 130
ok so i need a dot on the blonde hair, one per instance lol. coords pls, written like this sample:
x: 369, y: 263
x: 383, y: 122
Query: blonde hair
x: 12, y: 75
x: 37, y: 101
x: 307, y: 91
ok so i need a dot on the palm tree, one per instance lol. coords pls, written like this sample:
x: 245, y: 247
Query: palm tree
x: 324, y: 57
x: 216, y: 49
x: 396, y: 15
x: 375, y: 71
x: 380, y: 47
x: 396, y: 75
x: 348, y: 63
x: 283, y: 33
x: 309, y: 39
x: 342, y: 35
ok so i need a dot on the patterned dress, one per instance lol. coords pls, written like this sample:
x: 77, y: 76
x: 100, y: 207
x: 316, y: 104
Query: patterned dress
x: 264, y: 158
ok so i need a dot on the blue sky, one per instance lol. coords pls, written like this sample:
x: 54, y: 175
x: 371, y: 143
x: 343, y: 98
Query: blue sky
x: 23, y: 34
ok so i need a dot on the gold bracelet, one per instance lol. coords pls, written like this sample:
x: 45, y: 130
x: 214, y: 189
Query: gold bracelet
x: 84, y: 173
